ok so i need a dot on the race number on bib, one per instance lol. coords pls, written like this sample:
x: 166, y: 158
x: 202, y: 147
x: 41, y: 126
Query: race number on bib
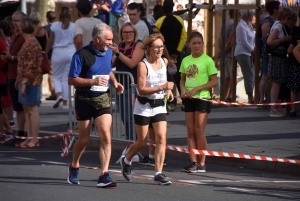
x: 100, y: 88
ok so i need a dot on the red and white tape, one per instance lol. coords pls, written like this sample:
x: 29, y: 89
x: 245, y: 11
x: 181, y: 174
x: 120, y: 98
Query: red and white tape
x: 66, y: 138
x: 249, y: 104
x: 230, y: 155
x: 39, y: 138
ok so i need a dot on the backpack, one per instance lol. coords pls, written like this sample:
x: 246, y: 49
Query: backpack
x: 148, y: 25
x: 116, y: 8
x: 259, y: 41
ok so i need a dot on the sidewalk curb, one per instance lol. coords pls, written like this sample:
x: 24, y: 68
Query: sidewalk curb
x: 278, y: 167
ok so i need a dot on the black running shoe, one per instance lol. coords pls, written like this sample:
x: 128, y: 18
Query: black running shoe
x: 193, y: 167
x: 201, y: 168
x: 126, y: 169
x: 106, y: 181
x: 162, y: 179
x: 144, y: 161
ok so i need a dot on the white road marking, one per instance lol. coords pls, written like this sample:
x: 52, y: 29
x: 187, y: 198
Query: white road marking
x: 260, y: 193
x: 191, y: 181
x: 53, y: 162
x: 280, y: 195
x: 220, y: 181
x: 151, y: 176
x: 286, y: 181
x: 241, y: 189
x: 118, y: 171
x: 22, y: 158
x: 258, y: 181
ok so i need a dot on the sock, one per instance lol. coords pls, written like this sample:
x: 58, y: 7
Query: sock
x: 74, y: 165
x: 157, y: 173
x: 127, y: 162
x: 151, y: 156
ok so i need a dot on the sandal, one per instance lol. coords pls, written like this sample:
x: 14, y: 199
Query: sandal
x: 31, y: 144
x: 23, y: 143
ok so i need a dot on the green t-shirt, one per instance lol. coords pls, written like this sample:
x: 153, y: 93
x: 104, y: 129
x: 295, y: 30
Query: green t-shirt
x: 197, y: 71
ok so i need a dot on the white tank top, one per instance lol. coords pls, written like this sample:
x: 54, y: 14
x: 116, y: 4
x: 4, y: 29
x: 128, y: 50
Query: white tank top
x: 154, y: 78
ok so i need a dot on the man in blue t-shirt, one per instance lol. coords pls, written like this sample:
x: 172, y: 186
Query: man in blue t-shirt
x: 91, y: 73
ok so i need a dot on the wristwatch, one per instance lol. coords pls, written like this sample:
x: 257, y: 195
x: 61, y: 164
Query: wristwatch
x: 12, y: 58
x: 117, y: 54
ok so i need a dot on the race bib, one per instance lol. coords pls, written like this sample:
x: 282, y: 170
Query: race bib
x: 100, y: 88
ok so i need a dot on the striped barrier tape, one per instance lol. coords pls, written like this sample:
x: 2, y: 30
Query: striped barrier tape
x: 249, y: 104
x: 66, y: 138
x: 39, y: 138
x: 228, y: 154
x: 244, y: 104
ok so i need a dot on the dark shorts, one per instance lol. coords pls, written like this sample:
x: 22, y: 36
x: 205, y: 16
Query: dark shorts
x: 142, y: 121
x: 3, y: 90
x: 85, y: 111
x: 14, y: 96
x: 196, y: 105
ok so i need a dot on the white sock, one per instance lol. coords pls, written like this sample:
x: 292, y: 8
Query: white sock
x: 151, y: 156
x: 156, y: 173
x: 127, y: 162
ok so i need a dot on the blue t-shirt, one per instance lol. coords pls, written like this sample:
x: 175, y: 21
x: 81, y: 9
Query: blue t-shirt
x: 85, y: 64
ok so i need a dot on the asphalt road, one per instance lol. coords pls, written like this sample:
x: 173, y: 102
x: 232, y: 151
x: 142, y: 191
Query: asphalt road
x: 40, y: 174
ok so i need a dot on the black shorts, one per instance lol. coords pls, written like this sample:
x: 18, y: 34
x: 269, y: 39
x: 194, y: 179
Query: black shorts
x: 14, y: 96
x: 3, y: 90
x: 142, y: 121
x: 84, y: 111
x: 196, y: 105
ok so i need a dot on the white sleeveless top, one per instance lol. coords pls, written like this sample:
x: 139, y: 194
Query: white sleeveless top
x: 154, y: 78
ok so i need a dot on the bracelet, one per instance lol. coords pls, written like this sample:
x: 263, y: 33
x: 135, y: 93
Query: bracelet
x: 12, y: 58
x: 23, y: 83
x: 117, y: 54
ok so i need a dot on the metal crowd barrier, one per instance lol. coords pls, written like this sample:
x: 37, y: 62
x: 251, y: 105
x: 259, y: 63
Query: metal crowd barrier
x: 123, y: 127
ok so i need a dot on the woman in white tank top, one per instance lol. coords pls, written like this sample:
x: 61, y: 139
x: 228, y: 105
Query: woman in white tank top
x: 150, y: 107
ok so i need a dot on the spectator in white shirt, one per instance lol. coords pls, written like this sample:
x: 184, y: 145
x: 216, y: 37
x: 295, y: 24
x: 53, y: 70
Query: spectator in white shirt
x: 134, y: 13
x: 62, y: 40
x: 85, y: 24
x: 244, y: 50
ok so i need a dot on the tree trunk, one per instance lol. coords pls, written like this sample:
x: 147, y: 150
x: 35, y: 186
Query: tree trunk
x: 42, y: 6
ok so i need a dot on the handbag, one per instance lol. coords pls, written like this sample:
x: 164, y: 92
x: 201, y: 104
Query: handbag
x: 278, y: 50
x: 46, y: 68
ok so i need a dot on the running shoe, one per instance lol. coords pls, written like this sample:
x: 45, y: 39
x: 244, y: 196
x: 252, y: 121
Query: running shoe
x: 106, y: 181
x: 162, y: 179
x: 126, y: 169
x: 73, y: 175
x: 193, y: 167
